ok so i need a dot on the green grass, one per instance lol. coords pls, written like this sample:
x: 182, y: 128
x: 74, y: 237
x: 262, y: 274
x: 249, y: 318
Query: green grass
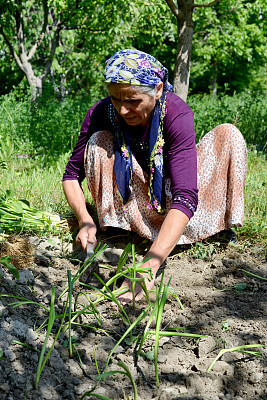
x: 42, y: 187
x: 38, y: 184
x: 255, y: 224
x: 47, y: 134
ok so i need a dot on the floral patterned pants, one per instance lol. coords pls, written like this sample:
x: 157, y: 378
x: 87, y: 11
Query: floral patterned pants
x: 222, y: 167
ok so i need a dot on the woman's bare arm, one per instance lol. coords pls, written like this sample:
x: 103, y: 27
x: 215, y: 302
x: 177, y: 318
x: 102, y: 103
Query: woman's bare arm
x: 169, y: 234
x: 76, y: 200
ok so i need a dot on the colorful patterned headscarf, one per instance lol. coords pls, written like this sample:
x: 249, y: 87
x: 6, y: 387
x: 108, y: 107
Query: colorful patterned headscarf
x: 136, y: 68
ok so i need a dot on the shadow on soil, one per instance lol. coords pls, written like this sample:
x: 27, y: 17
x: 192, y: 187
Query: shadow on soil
x: 214, y: 306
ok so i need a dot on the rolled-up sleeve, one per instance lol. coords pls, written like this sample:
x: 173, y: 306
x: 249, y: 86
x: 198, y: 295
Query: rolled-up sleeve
x: 181, y: 155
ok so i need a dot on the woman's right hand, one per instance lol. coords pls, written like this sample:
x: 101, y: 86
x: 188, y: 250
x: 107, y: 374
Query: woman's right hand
x: 87, y: 234
x: 76, y: 200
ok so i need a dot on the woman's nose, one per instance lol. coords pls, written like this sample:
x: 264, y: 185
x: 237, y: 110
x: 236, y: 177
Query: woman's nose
x: 124, y: 109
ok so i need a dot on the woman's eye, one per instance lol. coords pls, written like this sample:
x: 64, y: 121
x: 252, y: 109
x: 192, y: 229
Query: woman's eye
x: 132, y: 101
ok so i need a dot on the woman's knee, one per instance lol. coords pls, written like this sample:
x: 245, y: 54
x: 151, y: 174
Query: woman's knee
x: 101, y: 137
x: 232, y: 140
x: 104, y: 141
x: 230, y: 135
x: 229, y: 132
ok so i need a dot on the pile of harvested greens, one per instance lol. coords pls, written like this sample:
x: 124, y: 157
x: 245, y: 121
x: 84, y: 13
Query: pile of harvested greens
x: 16, y: 215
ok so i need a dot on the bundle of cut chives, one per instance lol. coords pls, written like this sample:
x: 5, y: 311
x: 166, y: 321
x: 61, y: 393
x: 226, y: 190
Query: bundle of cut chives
x: 16, y: 215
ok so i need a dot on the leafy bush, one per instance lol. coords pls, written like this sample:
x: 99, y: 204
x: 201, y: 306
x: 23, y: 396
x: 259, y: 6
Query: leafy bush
x: 14, y: 126
x: 47, y: 128
x: 54, y: 127
x: 246, y: 110
x: 50, y: 128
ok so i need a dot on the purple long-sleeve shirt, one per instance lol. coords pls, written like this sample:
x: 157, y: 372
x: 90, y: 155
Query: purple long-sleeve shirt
x: 180, y: 151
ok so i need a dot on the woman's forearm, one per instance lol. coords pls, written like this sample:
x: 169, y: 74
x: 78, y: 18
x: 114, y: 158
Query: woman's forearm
x: 76, y: 200
x: 169, y: 234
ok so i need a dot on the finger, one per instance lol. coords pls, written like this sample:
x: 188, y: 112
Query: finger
x: 125, y: 298
x: 82, y: 241
x: 128, y: 297
x: 139, y: 295
x: 93, y: 241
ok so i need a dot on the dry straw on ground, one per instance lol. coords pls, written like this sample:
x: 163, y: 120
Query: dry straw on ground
x: 18, y: 249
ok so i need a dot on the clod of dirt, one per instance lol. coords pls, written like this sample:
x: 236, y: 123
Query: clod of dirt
x: 19, y: 250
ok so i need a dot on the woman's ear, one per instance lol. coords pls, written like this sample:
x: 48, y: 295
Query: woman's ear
x: 159, y: 90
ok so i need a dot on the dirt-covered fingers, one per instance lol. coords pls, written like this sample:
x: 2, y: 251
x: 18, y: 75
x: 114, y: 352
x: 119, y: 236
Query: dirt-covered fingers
x: 138, y: 289
x: 87, y: 234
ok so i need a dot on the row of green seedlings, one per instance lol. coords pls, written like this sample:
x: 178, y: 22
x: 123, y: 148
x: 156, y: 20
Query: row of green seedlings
x: 108, y: 292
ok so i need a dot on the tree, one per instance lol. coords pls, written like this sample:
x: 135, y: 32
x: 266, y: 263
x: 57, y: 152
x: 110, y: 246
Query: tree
x: 184, y: 15
x: 39, y: 21
x: 63, y: 44
x: 229, y: 37
x: 40, y: 34
x: 10, y: 73
x: 228, y: 44
x: 116, y: 24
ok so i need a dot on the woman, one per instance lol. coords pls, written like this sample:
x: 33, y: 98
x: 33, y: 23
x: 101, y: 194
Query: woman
x: 137, y: 151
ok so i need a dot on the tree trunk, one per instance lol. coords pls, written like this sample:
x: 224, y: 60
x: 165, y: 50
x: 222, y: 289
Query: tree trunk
x: 213, y: 83
x: 24, y: 57
x: 60, y: 89
x: 35, y: 82
x: 184, y: 49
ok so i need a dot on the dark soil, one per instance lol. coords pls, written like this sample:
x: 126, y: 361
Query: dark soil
x: 215, y: 304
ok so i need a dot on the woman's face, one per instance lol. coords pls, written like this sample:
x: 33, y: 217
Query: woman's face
x: 132, y: 105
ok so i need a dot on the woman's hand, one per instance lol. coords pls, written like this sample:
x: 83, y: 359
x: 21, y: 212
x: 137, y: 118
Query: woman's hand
x: 76, y: 200
x: 87, y: 234
x: 169, y: 234
x: 153, y: 264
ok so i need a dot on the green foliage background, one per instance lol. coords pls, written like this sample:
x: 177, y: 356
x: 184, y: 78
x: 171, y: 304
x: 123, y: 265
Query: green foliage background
x: 49, y: 129
x: 229, y: 42
x: 229, y: 57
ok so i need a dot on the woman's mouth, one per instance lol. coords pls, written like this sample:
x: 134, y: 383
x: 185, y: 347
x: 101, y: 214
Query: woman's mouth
x: 130, y: 119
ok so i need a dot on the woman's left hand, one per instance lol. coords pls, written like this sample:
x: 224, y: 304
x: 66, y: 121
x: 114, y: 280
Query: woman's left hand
x: 169, y: 234
x: 153, y: 264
